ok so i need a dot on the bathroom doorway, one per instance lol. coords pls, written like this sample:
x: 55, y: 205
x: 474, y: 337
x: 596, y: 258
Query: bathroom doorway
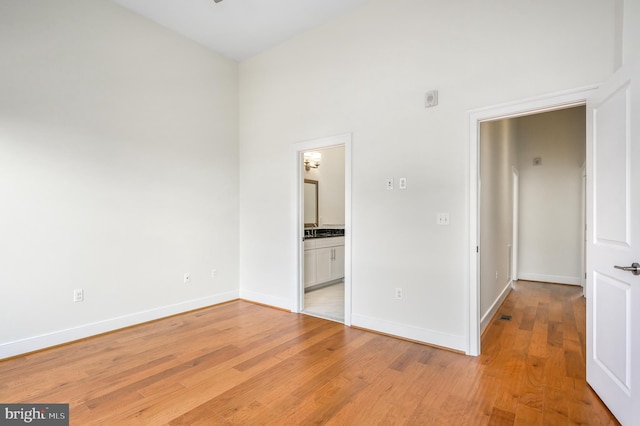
x: 323, y: 284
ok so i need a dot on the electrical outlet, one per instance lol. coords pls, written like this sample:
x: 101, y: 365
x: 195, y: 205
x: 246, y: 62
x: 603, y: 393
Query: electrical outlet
x: 78, y: 295
x: 390, y: 183
x: 214, y: 274
x: 398, y: 293
x: 187, y: 277
x: 442, y: 219
x: 402, y: 183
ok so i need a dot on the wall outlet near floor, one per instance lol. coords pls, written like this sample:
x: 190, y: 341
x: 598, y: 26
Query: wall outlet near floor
x: 187, y: 277
x: 78, y: 295
x: 214, y: 274
x: 398, y: 293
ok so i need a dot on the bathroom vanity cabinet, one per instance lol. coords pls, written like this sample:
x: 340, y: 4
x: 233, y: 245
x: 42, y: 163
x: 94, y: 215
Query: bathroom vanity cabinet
x: 323, y: 260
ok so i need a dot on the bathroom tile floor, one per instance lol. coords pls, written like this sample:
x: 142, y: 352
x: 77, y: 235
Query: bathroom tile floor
x: 326, y: 302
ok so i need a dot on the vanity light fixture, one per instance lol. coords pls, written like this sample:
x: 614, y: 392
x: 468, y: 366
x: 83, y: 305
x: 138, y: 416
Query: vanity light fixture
x: 312, y: 160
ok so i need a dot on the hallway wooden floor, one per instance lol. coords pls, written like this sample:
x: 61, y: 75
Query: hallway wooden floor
x: 241, y: 363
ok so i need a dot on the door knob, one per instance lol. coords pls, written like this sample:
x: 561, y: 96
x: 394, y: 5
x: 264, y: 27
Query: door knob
x: 634, y: 268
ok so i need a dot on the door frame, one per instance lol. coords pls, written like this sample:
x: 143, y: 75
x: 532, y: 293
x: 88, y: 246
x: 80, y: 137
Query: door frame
x: 515, y: 219
x: 583, y: 226
x: 299, y: 148
x: 545, y: 103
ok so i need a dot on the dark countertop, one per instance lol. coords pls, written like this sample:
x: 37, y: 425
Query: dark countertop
x: 311, y: 233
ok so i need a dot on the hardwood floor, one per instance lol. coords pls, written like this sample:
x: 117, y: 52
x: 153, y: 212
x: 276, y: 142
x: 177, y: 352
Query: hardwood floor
x: 241, y: 363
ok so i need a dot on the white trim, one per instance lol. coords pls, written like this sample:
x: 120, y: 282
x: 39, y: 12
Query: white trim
x: 494, y: 308
x: 297, y: 279
x: 266, y: 299
x: 515, y: 188
x: 583, y: 231
x: 410, y: 332
x: 555, y: 279
x: 551, y: 102
x: 42, y: 341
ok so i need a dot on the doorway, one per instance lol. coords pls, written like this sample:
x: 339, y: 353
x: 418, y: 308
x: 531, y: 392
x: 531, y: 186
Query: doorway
x: 323, y: 207
x: 518, y: 109
x: 530, y: 202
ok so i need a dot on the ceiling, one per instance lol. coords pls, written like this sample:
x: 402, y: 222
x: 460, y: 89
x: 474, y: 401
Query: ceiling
x: 240, y: 29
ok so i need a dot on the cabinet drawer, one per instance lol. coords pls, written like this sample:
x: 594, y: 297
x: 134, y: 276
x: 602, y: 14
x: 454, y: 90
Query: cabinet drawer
x: 329, y: 242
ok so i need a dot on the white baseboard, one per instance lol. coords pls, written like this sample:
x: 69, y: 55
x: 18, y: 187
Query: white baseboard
x: 35, y: 343
x: 382, y: 326
x: 557, y: 279
x: 424, y: 335
x: 266, y: 299
x: 486, y: 318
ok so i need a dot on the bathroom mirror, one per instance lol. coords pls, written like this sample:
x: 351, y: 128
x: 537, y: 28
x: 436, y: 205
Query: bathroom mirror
x: 310, y: 203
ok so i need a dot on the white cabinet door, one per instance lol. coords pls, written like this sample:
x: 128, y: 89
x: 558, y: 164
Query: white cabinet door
x: 613, y: 223
x: 324, y: 258
x: 309, y: 268
x: 327, y: 255
x: 337, y: 265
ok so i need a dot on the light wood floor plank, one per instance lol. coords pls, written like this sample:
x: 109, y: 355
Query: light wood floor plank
x: 241, y: 363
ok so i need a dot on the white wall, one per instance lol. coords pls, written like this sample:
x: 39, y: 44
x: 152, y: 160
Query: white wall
x: 367, y: 73
x: 550, y: 195
x: 118, y: 171
x: 498, y: 157
x: 119, y: 155
x: 631, y: 31
x: 330, y: 177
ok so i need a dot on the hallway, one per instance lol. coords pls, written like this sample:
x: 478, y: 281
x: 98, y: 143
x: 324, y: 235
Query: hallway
x: 540, y: 356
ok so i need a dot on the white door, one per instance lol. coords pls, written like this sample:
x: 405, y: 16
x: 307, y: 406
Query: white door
x: 613, y: 222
